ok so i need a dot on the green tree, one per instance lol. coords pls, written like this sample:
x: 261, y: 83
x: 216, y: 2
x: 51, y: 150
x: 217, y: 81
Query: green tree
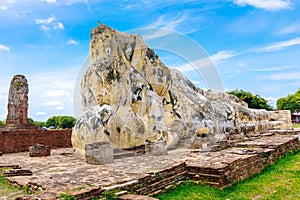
x: 61, y: 122
x: 53, y: 121
x: 37, y: 123
x: 253, y: 101
x: 67, y: 122
x: 291, y: 102
x: 2, y: 123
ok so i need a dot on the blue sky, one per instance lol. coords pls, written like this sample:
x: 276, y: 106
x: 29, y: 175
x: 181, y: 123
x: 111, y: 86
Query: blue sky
x: 253, y: 43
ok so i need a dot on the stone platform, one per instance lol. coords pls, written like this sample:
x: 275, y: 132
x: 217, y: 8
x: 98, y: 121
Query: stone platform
x: 65, y: 172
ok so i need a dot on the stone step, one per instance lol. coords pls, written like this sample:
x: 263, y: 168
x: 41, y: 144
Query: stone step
x: 17, y: 172
x: 149, y: 189
x: 10, y: 166
x: 121, y: 185
x: 120, y: 153
x: 121, y: 193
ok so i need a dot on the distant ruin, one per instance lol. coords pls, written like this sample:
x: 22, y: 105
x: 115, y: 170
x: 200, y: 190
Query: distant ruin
x: 17, y: 107
x: 19, y: 134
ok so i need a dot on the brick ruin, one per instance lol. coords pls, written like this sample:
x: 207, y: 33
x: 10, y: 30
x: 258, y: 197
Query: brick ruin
x: 19, y: 134
x: 17, y: 107
x: 228, y: 160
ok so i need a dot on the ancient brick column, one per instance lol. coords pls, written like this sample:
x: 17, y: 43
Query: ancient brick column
x: 17, y: 117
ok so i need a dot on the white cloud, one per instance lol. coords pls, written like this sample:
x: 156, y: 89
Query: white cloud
x: 59, y: 108
x: 268, y: 69
x: 53, y: 103
x: 45, y: 28
x: 2, y: 7
x: 285, y: 76
x: 270, y: 5
x: 10, y: 1
x: 41, y: 113
x: 51, y: 1
x: 4, y: 115
x: 4, y: 48
x: 221, y: 56
x: 280, y: 45
x: 241, y: 64
x: 218, y: 57
x: 289, y: 29
x: 56, y: 93
x: 59, y: 25
x: 48, y: 23
x: 167, y: 22
x: 74, y: 42
x: 272, y: 101
x: 161, y: 32
x: 191, y: 66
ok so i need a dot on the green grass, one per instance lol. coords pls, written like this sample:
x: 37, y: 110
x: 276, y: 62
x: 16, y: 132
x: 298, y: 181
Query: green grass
x: 278, y: 181
x: 296, y: 125
x: 7, y: 190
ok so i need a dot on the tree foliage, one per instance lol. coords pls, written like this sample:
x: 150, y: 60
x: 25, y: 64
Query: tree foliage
x: 37, y: 123
x: 291, y: 102
x: 2, y: 123
x: 253, y: 101
x: 61, y: 122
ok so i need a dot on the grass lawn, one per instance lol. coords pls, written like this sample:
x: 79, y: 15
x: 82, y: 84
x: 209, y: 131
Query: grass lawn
x: 7, y: 191
x: 296, y: 125
x: 278, y: 181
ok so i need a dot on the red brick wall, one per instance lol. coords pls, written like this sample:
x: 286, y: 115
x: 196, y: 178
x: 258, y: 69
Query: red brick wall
x: 20, y: 140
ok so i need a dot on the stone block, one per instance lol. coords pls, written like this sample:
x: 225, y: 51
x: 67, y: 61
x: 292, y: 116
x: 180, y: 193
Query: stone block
x: 99, y: 153
x: 39, y: 150
x: 157, y: 148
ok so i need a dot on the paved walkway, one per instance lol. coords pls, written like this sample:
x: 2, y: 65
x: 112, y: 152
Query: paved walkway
x: 64, y: 170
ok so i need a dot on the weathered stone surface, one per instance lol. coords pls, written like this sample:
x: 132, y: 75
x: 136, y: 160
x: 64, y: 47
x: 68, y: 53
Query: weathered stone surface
x: 17, y: 117
x: 39, y: 150
x: 99, y: 153
x: 130, y: 96
x: 157, y: 148
x: 282, y: 115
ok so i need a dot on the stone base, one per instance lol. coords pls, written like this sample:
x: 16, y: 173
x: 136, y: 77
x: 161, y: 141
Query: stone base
x: 99, y: 153
x: 39, y: 150
x: 157, y: 148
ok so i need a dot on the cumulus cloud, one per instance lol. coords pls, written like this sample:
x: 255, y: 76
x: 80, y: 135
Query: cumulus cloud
x: 72, y: 42
x: 4, y: 48
x: 55, y: 93
x: 49, y: 23
x: 41, y: 113
x: 2, y: 7
x: 53, y: 103
x: 59, y: 108
x: 51, y: 1
x: 269, y: 5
